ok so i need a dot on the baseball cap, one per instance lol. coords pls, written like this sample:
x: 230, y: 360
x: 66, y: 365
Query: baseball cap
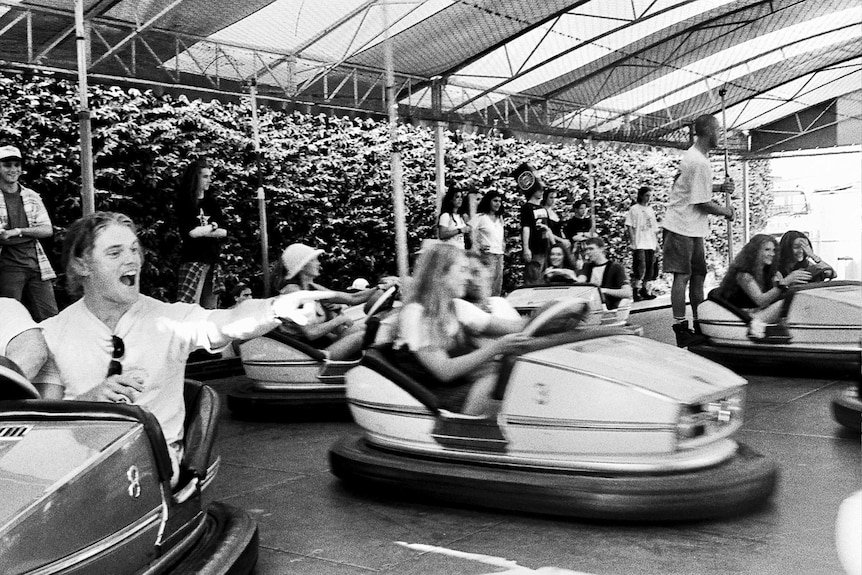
x: 527, y: 179
x: 9, y: 152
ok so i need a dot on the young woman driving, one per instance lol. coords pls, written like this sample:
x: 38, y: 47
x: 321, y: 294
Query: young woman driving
x: 434, y: 328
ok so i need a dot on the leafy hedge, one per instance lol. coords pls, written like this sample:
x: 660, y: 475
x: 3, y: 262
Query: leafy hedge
x: 326, y: 178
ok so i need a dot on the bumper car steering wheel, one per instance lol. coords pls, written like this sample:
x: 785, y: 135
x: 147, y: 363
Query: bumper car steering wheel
x: 382, y: 301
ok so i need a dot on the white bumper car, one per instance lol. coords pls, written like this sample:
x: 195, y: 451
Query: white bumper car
x: 594, y: 423
x: 825, y: 324
x: 528, y: 299
x: 285, y: 372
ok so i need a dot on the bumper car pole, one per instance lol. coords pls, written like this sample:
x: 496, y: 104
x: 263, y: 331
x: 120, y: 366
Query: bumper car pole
x: 261, y: 195
x: 395, y: 157
x: 727, y: 199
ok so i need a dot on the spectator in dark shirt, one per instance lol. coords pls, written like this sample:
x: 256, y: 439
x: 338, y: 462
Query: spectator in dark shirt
x: 200, y: 221
x: 577, y: 229
x: 534, y: 217
x: 608, y: 275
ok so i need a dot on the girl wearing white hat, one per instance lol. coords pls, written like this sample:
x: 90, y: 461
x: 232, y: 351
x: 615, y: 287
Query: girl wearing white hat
x: 327, y: 329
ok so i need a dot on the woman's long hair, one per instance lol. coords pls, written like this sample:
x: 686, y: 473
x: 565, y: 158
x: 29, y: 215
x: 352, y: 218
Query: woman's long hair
x: 746, y: 262
x: 568, y: 260
x: 484, y: 206
x: 447, y: 205
x: 188, y: 189
x: 429, y: 289
x: 786, y: 259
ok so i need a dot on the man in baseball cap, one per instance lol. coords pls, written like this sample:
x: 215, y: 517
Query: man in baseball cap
x: 9, y: 153
x: 25, y: 272
x: 535, y: 244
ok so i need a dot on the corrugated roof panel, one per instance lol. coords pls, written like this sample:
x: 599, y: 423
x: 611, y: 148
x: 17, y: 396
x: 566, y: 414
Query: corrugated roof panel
x: 583, y: 25
x: 755, y: 54
x: 803, y: 92
x: 634, y: 67
x: 449, y: 38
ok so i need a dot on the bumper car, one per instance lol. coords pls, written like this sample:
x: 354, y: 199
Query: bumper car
x: 594, y: 423
x: 824, y: 321
x: 528, y: 299
x: 86, y: 489
x: 847, y: 407
x: 285, y: 372
x: 206, y: 366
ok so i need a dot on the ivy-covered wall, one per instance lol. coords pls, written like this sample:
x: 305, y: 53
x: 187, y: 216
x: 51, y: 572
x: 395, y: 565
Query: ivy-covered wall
x: 326, y: 178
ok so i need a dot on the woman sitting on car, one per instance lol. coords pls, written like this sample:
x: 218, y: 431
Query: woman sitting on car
x: 753, y: 284
x: 795, y: 253
x: 434, y: 326
x: 327, y: 329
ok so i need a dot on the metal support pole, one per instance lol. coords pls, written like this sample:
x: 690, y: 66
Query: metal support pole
x: 439, y: 143
x: 746, y: 198
x: 727, y: 199
x: 261, y: 195
x: 88, y: 199
x: 592, y: 180
x: 395, y: 156
x: 746, y: 192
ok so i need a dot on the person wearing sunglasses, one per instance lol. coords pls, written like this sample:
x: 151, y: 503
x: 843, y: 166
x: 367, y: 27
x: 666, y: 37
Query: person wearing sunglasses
x: 116, y: 344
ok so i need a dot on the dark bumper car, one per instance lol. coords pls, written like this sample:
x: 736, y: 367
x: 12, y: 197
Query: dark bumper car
x: 847, y: 407
x: 86, y: 489
x: 205, y: 366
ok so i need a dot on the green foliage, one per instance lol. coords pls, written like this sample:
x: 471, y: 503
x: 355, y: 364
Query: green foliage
x: 326, y: 179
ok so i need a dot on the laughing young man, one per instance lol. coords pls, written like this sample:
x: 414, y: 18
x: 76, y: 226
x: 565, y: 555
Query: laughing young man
x: 115, y: 344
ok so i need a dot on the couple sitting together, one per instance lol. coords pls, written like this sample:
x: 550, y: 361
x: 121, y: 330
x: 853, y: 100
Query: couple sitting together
x: 597, y: 270
x: 762, y: 272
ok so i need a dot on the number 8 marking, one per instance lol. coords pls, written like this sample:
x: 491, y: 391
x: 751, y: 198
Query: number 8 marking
x: 134, y: 478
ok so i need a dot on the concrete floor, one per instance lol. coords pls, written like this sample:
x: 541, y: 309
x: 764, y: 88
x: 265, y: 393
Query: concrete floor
x: 310, y: 523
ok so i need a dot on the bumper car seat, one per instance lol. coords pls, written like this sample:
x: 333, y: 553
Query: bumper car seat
x: 203, y: 408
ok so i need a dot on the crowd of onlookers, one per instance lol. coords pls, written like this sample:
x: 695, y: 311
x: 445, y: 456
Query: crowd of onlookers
x: 116, y: 344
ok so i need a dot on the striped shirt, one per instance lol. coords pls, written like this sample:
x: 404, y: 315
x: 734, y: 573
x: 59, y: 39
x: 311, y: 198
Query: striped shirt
x: 37, y: 215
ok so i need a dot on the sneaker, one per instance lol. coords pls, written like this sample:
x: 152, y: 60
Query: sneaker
x: 775, y: 333
x: 756, y: 329
x: 645, y: 295
x: 685, y: 337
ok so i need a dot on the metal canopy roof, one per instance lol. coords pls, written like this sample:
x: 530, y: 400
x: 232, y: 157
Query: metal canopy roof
x: 630, y: 70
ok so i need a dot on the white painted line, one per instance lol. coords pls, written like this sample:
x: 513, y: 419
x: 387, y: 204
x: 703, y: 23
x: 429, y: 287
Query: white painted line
x: 512, y: 566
